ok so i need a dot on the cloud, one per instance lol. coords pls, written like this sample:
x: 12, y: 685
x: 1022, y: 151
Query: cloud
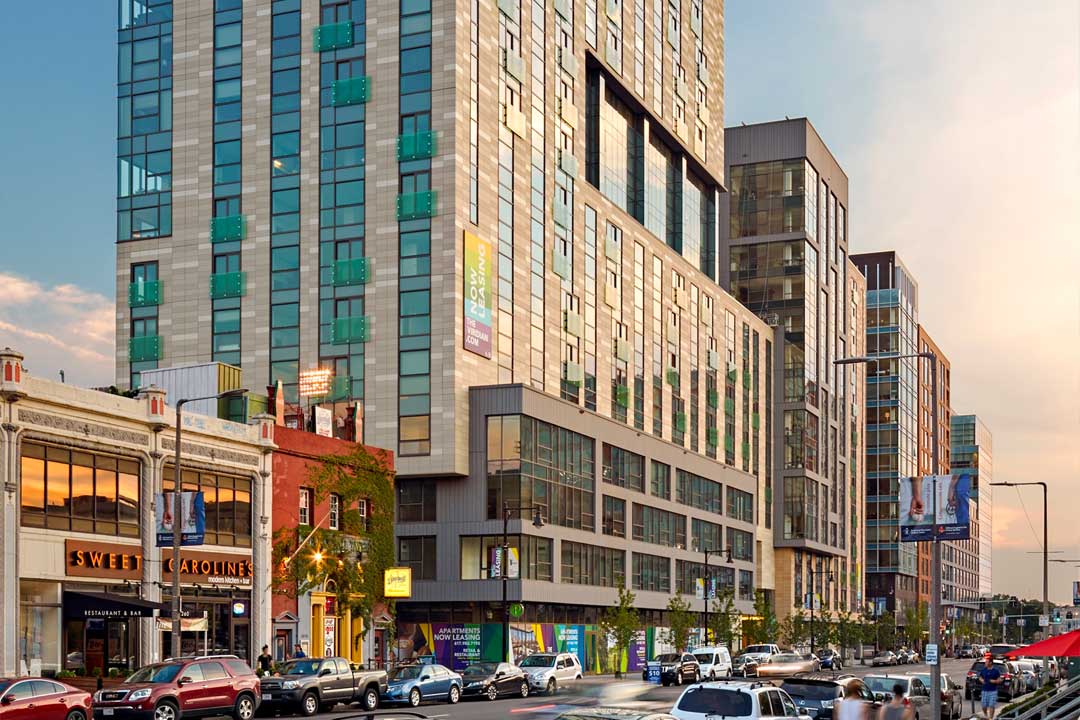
x: 62, y: 327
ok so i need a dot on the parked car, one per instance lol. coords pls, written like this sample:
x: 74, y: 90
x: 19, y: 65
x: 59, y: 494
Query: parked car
x: 952, y: 699
x: 548, y: 671
x: 734, y: 699
x: 186, y: 687
x: 884, y: 657
x: 491, y: 680
x: 745, y: 664
x: 604, y: 713
x: 414, y: 684
x: 817, y: 693
x: 714, y: 661
x: 677, y: 668
x: 42, y: 699
x: 786, y: 664
x: 1011, y: 683
x: 310, y: 685
x: 830, y: 659
x: 903, y: 657
x: 916, y: 694
x: 966, y: 651
x: 1029, y: 673
x: 1001, y: 650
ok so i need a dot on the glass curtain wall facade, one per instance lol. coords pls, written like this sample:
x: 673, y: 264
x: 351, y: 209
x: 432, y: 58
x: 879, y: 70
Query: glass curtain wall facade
x: 973, y: 452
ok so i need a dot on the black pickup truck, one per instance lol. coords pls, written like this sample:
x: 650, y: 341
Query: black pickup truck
x: 311, y: 685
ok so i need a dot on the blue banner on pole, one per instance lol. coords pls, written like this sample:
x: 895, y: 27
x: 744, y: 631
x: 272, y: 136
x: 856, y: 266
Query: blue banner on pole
x: 192, y: 519
x: 949, y: 494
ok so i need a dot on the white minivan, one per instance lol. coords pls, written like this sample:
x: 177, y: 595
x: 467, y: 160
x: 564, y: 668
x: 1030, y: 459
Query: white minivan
x: 715, y: 662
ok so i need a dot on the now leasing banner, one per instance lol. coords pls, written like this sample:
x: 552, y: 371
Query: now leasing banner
x: 478, y: 323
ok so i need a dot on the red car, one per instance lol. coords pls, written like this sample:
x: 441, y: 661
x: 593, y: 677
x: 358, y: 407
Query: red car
x: 190, y: 687
x: 42, y: 699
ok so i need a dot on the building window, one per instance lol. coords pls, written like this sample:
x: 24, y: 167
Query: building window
x: 614, y: 521
x: 416, y: 499
x: 418, y: 553
x: 304, y: 516
x: 652, y: 573
x: 227, y: 500
x: 687, y: 573
x: 623, y: 468
x: 740, y: 505
x: 706, y: 535
x: 698, y: 492
x: 659, y: 527
x: 334, y: 522
x: 479, y: 556
x: 660, y: 480
x: 592, y: 565
x: 78, y: 491
x: 741, y: 544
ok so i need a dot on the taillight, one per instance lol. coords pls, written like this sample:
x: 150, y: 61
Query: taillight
x: 944, y: 696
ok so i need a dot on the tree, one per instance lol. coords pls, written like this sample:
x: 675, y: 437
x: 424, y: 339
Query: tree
x: 916, y: 619
x: 885, y: 629
x: 847, y: 631
x: 765, y: 627
x: 620, y: 624
x: 794, y: 629
x: 724, y: 623
x: 351, y: 561
x: 680, y: 623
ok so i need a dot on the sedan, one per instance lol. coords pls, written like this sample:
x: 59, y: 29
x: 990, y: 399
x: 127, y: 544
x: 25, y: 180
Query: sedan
x: 42, y: 699
x: 491, y: 680
x: 786, y: 664
x: 414, y: 684
x: 831, y: 660
x: 952, y: 700
x: 884, y: 657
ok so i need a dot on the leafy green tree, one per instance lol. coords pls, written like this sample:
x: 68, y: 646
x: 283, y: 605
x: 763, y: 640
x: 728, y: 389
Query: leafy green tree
x: 680, y: 623
x: 619, y: 624
x: 794, y: 630
x: 916, y: 619
x: 766, y: 627
x: 724, y: 623
x: 351, y: 561
x: 846, y: 630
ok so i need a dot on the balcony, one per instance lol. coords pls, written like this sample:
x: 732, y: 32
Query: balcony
x: 144, y: 294
x: 350, y: 272
x: 228, y: 228
x: 333, y: 36
x: 340, y: 389
x: 227, y: 285
x: 348, y: 330
x: 411, y: 206
x: 416, y: 146
x: 352, y: 91
x: 141, y: 349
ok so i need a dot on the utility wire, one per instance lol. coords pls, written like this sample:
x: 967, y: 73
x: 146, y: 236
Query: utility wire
x: 1030, y: 524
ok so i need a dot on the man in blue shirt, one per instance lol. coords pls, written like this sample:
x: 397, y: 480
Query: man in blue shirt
x: 299, y: 653
x: 991, y: 678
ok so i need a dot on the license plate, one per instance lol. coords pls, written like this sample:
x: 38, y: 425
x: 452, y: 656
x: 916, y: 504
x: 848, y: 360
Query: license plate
x: 266, y: 696
x: 108, y: 711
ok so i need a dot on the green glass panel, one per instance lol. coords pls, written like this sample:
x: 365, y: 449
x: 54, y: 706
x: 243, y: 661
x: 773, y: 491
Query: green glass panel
x: 141, y: 349
x: 227, y: 228
x: 227, y: 285
x: 416, y: 146
x: 755, y: 421
x: 416, y: 205
x: 560, y: 265
x: 673, y: 377
x: 680, y: 422
x: 729, y: 405
x: 352, y: 91
x: 340, y: 388
x: 746, y: 449
x: 349, y: 329
x: 712, y: 436
x: 746, y: 380
x: 144, y: 294
x: 333, y: 36
x: 350, y: 272
x: 622, y: 395
x: 712, y: 398
x: 729, y: 443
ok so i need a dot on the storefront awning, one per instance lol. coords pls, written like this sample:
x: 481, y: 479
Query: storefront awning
x: 84, y: 605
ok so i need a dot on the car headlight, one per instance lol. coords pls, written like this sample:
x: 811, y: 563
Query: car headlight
x: 139, y: 695
x: 290, y: 684
x: 826, y: 703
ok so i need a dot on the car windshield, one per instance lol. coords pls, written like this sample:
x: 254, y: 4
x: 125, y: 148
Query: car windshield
x: 884, y: 684
x: 786, y: 658
x: 155, y: 674
x: 883, y: 653
x: 480, y: 669
x: 704, y: 658
x: 1001, y: 649
x: 409, y: 672
x: 811, y: 690
x: 758, y: 649
x: 926, y: 680
x: 720, y: 702
x: 667, y: 658
x: 301, y: 667
x: 538, y: 661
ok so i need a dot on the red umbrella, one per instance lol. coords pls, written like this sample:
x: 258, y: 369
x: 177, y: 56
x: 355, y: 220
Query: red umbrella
x: 1067, y: 645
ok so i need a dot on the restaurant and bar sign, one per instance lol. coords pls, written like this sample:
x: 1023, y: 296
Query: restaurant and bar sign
x: 124, y: 562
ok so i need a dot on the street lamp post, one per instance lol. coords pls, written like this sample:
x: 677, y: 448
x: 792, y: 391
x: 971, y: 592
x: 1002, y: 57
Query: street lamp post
x: 1045, y: 554
x: 178, y: 512
x: 538, y: 522
x: 935, y: 565
x: 705, y: 581
x: 829, y: 576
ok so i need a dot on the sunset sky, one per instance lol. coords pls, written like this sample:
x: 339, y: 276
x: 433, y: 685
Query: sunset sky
x: 958, y: 124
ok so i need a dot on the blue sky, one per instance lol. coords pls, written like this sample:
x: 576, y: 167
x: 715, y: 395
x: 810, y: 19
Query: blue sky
x: 956, y: 122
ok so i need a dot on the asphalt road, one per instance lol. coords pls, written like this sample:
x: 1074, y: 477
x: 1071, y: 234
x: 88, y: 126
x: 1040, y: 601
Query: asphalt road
x: 594, y: 691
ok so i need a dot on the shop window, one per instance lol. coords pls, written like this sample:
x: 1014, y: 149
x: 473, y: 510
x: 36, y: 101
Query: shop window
x: 227, y: 500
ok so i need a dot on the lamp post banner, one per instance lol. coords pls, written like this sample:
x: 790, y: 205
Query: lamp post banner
x: 192, y: 520
x: 918, y: 522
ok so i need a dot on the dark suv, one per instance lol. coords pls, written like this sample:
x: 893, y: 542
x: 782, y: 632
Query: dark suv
x: 188, y: 687
x: 677, y: 668
x: 816, y: 693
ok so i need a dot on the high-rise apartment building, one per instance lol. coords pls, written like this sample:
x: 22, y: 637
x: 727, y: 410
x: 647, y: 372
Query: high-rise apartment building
x: 784, y: 251
x: 496, y: 223
x: 892, y: 425
x: 973, y: 452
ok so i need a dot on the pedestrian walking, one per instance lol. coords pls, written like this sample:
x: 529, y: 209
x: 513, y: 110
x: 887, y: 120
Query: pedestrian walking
x: 852, y: 706
x: 265, y: 659
x: 991, y: 680
x: 895, y: 709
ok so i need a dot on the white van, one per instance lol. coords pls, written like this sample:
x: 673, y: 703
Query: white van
x: 715, y: 662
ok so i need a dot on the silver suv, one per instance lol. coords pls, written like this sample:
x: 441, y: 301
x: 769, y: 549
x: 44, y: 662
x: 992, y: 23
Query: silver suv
x: 548, y: 671
x: 750, y: 700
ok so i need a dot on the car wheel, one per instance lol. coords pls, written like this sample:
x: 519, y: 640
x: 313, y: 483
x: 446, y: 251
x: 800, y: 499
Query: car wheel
x: 414, y: 697
x: 678, y: 678
x: 492, y: 692
x: 245, y: 708
x: 371, y: 699
x: 697, y: 676
x: 309, y: 705
x: 552, y: 687
x: 712, y: 675
x: 454, y: 695
x: 524, y: 690
x: 165, y: 711
x: 76, y: 715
